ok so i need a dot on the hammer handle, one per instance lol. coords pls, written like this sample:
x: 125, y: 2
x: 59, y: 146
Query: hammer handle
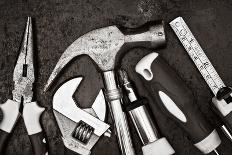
x: 114, y: 96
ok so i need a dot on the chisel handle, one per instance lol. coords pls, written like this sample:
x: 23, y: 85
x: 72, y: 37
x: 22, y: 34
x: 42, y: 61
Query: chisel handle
x: 31, y: 115
x: 176, y: 101
x: 10, y: 110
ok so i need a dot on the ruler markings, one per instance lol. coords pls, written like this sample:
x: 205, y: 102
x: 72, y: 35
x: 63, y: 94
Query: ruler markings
x: 197, y: 55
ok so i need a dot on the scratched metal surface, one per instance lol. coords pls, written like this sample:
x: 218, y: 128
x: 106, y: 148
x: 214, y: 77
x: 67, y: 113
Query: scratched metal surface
x: 58, y: 23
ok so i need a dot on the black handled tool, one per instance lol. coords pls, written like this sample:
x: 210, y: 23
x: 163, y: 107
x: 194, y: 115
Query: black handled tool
x: 222, y: 94
x: 22, y: 94
x: 176, y: 101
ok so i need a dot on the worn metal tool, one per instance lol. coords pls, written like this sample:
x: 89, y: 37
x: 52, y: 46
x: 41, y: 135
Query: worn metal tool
x: 153, y: 143
x: 80, y: 128
x: 102, y: 45
x: 23, y: 94
x: 222, y: 94
x: 175, y: 99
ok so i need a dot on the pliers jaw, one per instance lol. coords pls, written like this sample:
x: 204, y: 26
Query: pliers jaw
x: 23, y: 76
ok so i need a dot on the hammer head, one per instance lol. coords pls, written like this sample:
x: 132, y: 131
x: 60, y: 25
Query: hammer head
x: 103, y: 44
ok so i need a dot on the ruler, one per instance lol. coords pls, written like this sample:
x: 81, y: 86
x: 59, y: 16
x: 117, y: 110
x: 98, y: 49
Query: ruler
x: 196, y: 53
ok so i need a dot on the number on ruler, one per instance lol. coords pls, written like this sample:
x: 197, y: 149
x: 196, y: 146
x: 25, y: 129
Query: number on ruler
x: 197, y: 54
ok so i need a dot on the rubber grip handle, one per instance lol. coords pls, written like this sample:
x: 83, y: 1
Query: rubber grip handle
x: 228, y: 121
x: 10, y: 112
x: 174, y: 98
x: 31, y: 114
x: 38, y: 143
x: 3, y: 140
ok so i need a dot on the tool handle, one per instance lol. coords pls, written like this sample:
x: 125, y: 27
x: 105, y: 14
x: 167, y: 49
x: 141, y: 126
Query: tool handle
x: 38, y: 143
x: 176, y: 101
x: 3, y: 140
x: 228, y: 121
x: 31, y: 114
x: 142, y: 121
x: 224, y: 111
x: 150, y: 35
x: 159, y: 147
x: 113, y: 96
x: 10, y: 110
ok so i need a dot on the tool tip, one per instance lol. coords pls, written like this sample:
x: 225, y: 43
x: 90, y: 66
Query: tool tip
x: 123, y: 76
x: 45, y: 88
x: 216, y: 152
x: 28, y: 21
x: 28, y: 18
x: 28, y: 30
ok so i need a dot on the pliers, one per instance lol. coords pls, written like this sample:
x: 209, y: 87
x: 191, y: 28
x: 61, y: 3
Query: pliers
x: 24, y: 78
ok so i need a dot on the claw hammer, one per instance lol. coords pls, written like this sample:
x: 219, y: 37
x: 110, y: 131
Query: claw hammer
x: 102, y: 46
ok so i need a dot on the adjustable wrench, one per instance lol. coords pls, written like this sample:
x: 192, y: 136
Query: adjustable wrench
x: 80, y: 128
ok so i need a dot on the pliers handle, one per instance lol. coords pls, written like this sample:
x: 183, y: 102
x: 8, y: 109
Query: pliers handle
x: 31, y: 114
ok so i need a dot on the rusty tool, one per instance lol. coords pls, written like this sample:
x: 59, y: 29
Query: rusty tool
x: 23, y: 94
x: 102, y: 45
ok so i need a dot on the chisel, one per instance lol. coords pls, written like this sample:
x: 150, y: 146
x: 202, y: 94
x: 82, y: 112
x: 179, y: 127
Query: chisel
x: 222, y: 94
x: 175, y: 100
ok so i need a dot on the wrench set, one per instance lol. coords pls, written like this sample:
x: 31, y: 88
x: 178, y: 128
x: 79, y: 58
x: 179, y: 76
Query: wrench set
x: 82, y: 128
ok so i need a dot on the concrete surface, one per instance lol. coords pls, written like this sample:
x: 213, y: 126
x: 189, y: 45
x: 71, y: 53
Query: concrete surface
x: 59, y: 22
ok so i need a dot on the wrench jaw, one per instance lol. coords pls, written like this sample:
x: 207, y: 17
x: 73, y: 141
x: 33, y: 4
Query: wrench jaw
x: 80, y: 128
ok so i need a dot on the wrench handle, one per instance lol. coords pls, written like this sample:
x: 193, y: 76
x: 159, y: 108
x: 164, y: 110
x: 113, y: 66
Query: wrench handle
x: 114, y: 96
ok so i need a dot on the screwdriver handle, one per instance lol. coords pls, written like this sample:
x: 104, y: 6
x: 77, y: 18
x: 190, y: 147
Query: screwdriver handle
x: 176, y: 101
x: 31, y: 115
x: 10, y: 110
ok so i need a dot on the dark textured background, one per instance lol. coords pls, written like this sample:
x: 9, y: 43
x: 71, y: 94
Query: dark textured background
x: 59, y: 22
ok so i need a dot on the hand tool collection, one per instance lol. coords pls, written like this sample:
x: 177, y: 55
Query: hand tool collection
x: 82, y: 128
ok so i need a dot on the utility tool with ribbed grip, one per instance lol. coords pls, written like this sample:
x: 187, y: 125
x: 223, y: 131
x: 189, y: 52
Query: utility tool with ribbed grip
x: 176, y: 101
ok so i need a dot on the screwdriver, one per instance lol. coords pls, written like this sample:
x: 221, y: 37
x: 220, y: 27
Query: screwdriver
x: 175, y: 100
x: 152, y: 142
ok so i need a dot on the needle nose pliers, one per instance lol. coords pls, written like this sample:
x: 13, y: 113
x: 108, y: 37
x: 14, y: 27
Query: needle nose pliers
x: 24, y: 78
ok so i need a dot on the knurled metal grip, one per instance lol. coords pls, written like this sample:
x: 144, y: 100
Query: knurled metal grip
x: 115, y: 94
x: 120, y: 121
